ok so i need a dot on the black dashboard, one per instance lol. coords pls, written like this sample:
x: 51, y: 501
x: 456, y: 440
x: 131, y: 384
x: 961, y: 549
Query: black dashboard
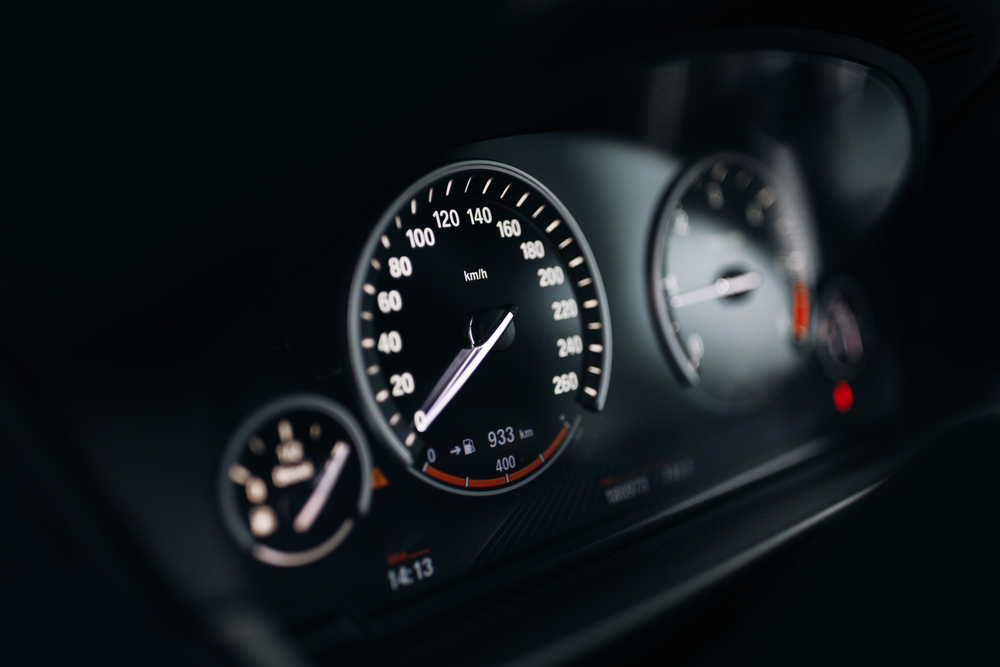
x: 528, y: 334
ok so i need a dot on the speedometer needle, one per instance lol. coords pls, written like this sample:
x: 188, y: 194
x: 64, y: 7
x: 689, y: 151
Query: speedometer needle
x: 722, y: 288
x: 459, y: 372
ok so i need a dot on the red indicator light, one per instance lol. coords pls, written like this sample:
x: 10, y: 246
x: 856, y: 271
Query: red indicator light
x: 843, y: 397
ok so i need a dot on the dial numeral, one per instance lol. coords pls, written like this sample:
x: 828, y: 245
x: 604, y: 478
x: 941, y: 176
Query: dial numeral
x: 402, y: 384
x: 506, y: 463
x: 481, y: 216
x: 389, y: 301
x: 564, y: 310
x: 420, y: 237
x: 446, y: 218
x: 390, y: 342
x: 565, y: 383
x: 509, y: 228
x: 533, y: 249
x: 551, y: 277
x: 400, y: 267
x: 569, y: 346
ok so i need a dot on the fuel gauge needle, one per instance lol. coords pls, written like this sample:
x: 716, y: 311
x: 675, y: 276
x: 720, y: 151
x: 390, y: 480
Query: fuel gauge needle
x: 720, y: 289
x: 327, y: 480
x: 459, y: 372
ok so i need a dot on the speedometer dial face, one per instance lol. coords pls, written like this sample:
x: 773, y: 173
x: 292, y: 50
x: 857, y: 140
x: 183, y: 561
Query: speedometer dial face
x: 732, y: 273
x: 479, y: 328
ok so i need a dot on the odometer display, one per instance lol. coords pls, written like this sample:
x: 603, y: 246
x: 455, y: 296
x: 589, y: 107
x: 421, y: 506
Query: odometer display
x: 478, y: 328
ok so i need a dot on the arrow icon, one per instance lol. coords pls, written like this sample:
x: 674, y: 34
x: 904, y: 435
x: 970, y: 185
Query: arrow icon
x: 456, y: 450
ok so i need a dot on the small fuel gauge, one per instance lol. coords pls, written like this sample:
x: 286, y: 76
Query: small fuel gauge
x: 295, y: 478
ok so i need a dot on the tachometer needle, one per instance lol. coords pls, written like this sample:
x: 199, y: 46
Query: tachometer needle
x: 459, y: 372
x: 324, y: 487
x: 722, y: 288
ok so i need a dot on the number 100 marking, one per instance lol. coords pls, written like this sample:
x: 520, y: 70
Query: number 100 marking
x: 420, y: 237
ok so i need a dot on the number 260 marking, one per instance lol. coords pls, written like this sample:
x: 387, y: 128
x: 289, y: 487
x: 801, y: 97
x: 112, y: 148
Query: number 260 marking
x: 565, y: 383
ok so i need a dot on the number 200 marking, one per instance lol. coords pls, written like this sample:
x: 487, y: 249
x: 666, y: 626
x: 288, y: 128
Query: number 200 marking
x: 551, y: 276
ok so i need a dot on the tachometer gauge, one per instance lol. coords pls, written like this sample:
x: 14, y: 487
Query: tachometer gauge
x: 478, y: 328
x: 733, y: 271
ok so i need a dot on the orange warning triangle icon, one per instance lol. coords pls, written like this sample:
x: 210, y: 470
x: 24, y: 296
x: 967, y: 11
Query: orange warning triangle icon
x: 378, y: 479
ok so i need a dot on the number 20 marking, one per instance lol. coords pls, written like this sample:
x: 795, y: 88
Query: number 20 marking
x: 402, y: 384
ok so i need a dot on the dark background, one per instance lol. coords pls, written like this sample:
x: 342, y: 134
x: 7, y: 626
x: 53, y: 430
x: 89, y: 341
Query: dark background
x: 147, y: 159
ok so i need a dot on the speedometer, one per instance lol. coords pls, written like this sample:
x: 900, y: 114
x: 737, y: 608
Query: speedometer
x: 479, y: 328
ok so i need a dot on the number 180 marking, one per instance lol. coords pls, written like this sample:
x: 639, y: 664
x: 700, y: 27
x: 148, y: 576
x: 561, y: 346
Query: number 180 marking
x: 533, y: 250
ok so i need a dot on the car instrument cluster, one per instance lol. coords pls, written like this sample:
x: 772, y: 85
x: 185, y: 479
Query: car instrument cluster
x: 552, y: 337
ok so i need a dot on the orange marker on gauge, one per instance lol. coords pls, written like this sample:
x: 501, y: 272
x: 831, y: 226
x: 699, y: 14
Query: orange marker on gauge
x: 800, y: 311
